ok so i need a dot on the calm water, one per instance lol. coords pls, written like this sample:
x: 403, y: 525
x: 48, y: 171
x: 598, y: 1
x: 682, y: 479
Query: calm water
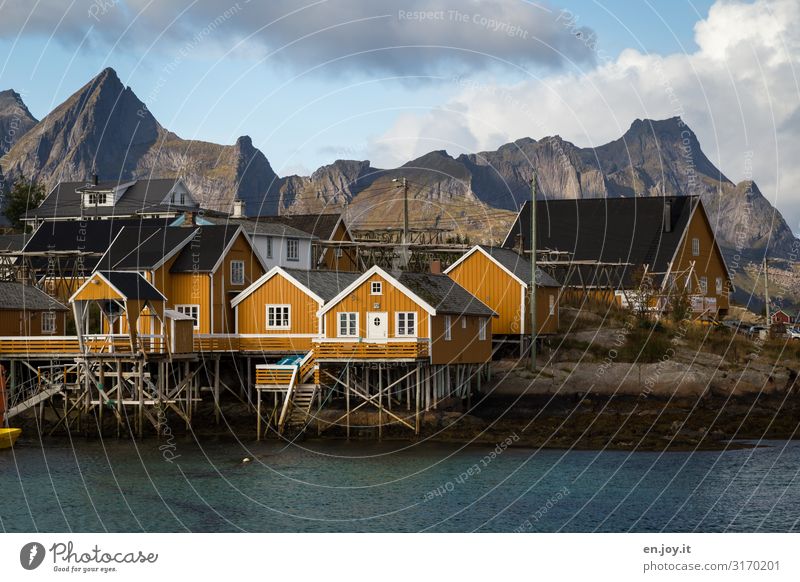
x: 337, y: 486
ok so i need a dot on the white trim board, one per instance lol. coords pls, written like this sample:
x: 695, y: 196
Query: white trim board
x: 389, y: 279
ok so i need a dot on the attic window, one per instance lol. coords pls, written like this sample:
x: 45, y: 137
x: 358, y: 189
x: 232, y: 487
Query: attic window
x: 376, y: 288
x: 179, y: 198
x: 696, y: 247
x: 237, y: 272
x: 97, y: 199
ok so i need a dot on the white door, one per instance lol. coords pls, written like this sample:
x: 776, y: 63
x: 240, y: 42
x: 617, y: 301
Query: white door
x: 377, y: 325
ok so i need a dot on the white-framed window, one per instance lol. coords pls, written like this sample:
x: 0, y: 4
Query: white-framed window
x: 448, y: 331
x: 292, y: 249
x: 406, y: 324
x: 376, y: 288
x: 696, y: 247
x: 179, y: 198
x: 551, y: 304
x: 338, y: 253
x: 279, y: 316
x: 269, y: 247
x: 49, y: 322
x: 718, y: 285
x: 237, y: 272
x: 463, y: 322
x: 704, y: 285
x: 97, y: 199
x: 192, y: 311
x: 484, y: 323
x: 348, y: 324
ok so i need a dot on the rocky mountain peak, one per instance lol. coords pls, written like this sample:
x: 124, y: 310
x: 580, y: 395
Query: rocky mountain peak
x: 15, y: 119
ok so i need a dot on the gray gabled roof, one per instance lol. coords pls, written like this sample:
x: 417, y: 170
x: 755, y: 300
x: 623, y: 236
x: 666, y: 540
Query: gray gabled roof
x: 143, y: 248
x: 205, y: 249
x: 140, y: 197
x: 443, y: 294
x: 13, y: 242
x: 325, y: 284
x: 319, y: 225
x: 132, y: 285
x: 90, y: 236
x: 14, y: 295
x: 611, y: 230
x: 256, y: 226
x: 520, y: 266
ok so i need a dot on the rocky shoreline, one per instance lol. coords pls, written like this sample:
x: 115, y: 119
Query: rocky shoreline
x: 576, y: 421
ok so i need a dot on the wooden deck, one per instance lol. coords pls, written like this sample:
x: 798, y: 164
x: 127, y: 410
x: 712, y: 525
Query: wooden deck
x: 333, y: 351
x: 69, y: 346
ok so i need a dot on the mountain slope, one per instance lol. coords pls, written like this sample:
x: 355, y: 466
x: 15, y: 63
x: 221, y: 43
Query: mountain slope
x: 652, y: 158
x: 104, y: 128
x: 15, y: 119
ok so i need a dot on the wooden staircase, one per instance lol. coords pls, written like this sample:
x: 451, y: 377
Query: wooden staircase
x: 302, y: 402
x: 297, y: 383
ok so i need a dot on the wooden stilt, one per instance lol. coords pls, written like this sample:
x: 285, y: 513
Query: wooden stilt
x: 140, y: 390
x: 216, y: 390
x: 380, y: 401
x: 119, y: 397
x: 347, y: 396
x: 101, y: 387
x: 416, y: 400
x: 258, y: 415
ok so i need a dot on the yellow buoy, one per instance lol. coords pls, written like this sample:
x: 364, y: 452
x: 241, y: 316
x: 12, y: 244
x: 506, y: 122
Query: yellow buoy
x: 8, y: 436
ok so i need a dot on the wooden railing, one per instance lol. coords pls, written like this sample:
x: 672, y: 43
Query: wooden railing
x: 274, y: 374
x: 307, y: 365
x: 366, y: 350
x: 39, y: 345
x: 266, y: 343
x: 216, y: 343
x: 69, y: 345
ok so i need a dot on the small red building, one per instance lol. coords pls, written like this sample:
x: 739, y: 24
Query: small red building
x: 781, y: 317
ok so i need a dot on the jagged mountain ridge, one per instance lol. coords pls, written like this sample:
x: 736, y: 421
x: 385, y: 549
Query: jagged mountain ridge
x: 105, y: 128
x: 652, y: 158
x: 15, y: 119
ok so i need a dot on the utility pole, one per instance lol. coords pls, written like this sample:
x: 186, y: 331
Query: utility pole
x: 766, y: 290
x: 405, y: 211
x: 404, y: 183
x: 534, y: 330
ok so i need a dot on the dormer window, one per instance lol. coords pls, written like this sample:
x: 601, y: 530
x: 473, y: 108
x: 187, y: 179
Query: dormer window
x: 97, y: 198
x: 179, y: 198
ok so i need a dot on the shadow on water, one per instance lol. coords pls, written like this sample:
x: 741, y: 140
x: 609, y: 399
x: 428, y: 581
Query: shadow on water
x: 326, y: 485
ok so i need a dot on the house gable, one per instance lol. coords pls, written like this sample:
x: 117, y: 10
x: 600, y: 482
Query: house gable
x: 494, y: 285
x: 360, y: 299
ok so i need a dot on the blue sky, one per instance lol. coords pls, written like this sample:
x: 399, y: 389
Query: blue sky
x: 217, y: 100
x: 370, y: 80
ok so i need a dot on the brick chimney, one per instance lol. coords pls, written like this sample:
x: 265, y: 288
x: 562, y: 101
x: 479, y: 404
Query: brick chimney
x: 436, y: 267
x: 189, y: 218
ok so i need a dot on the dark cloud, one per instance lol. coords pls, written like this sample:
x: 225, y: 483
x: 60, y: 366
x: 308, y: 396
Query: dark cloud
x: 392, y: 37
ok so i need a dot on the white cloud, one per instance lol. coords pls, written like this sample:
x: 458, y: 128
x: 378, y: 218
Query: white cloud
x: 739, y: 92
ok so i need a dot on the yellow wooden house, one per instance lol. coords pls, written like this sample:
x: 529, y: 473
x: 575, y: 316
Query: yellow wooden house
x: 606, y: 245
x: 278, y: 312
x: 28, y: 311
x: 405, y: 317
x: 199, y: 269
x: 501, y: 279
